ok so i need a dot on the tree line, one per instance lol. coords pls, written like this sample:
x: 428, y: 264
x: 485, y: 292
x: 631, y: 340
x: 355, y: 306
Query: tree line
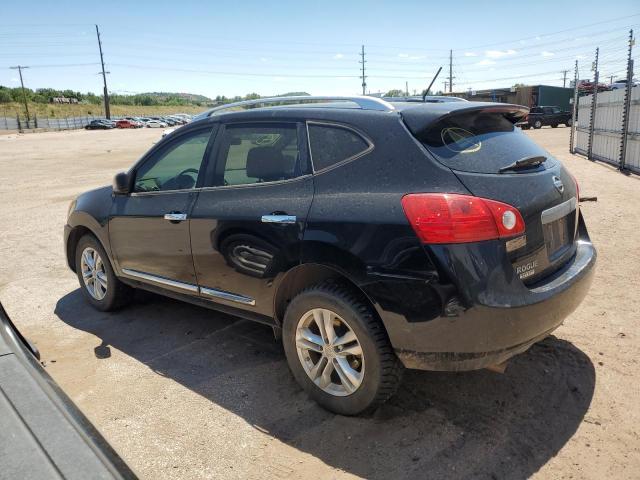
x: 46, y: 95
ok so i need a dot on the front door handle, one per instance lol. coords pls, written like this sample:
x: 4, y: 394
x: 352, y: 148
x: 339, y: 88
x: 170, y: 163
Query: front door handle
x: 175, y: 216
x: 286, y: 219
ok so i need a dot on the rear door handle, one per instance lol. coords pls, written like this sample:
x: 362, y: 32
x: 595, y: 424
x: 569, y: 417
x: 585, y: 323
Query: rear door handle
x: 286, y: 219
x: 175, y: 216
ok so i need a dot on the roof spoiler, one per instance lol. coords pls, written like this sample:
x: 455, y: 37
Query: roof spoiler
x: 420, y: 117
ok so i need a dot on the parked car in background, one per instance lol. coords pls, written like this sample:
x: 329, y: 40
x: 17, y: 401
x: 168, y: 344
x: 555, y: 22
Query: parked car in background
x: 126, y: 124
x: 156, y: 124
x: 462, y: 252
x: 179, y: 120
x: 100, y: 125
x: 135, y: 120
x: 538, y: 117
x: 184, y: 116
x: 587, y: 88
x: 618, y: 84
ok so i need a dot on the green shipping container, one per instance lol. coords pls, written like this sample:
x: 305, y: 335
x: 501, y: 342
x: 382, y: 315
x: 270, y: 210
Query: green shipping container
x: 555, y: 96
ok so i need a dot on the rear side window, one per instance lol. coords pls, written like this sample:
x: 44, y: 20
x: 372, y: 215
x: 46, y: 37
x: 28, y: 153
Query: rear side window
x: 478, y: 141
x: 258, y: 153
x: 333, y: 144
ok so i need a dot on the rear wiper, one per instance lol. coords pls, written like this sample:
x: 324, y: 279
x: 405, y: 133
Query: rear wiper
x: 526, y: 162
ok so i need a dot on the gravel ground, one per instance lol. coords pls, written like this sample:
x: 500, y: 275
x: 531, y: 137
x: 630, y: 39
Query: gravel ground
x: 183, y: 392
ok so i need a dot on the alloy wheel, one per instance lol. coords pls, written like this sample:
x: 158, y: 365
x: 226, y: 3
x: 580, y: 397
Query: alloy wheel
x: 330, y: 352
x: 94, y: 273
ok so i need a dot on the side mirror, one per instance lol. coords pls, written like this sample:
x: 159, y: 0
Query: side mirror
x: 121, y: 183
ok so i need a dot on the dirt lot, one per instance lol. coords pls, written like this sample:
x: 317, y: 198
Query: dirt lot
x: 183, y: 392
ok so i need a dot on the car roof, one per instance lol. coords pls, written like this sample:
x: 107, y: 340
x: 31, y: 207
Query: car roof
x: 415, y: 114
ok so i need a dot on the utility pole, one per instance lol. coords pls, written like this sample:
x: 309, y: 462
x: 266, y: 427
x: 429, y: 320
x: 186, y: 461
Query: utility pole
x: 24, y: 92
x: 363, y: 76
x: 406, y: 88
x: 107, y: 112
x: 564, y: 78
x: 611, y: 79
x: 594, y: 103
x: 450, y: 71
x: 445, y: 85
x: 627, y: 105
x: 574, y: 115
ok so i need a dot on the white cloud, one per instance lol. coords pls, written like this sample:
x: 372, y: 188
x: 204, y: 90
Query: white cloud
x: 547, y: 54
x: 499, y: 53
x: 486, y: 61
x: 338, y: 56
x: 470, y: 54
x: 14, y: 79
x: 403, y: 55
x: 580, y: 57
x: 263, y: 59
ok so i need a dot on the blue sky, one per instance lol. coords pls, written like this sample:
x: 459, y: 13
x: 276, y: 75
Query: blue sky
x: 233, y: 48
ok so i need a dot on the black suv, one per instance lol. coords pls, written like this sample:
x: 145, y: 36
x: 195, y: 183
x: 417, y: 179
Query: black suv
x: 369, y: 235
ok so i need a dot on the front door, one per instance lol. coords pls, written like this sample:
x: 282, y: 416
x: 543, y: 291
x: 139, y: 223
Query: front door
x: 149, y: 228
x: 247, y: 225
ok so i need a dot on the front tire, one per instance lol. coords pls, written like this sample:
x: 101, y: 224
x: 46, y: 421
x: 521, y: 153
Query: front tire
x: 338, y: 350
x: 537, y: 124
x: 98, y: 282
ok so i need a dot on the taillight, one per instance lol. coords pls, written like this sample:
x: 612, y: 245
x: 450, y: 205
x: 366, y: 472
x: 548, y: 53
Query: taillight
x: 454, y: 218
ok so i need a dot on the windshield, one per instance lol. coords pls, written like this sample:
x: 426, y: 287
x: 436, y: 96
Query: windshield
x: 480, y: 142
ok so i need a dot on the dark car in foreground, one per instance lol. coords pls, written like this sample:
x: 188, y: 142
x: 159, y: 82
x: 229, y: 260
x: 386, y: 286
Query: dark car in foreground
x: 370, y: 235
x: 42, y: 433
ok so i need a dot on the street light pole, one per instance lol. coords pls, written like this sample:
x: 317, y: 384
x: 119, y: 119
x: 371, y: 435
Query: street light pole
x: 24, y: 93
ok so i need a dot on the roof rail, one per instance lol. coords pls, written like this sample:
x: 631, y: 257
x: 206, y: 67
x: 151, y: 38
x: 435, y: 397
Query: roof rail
x: 364, y: 103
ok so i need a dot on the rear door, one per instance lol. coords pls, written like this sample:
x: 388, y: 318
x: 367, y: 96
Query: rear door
x: 247, y: 223
x: 477, y: 144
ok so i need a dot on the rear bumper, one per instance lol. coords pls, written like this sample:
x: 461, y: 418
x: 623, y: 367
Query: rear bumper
x: 487, y: 335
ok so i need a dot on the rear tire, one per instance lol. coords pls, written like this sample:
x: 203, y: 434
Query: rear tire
x: 349, y: 377
x: 98, y: 282
x: 568, y: 122
x: 555, y: 125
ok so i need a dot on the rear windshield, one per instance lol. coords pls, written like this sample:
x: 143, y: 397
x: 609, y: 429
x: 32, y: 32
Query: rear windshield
x: 481, y: 142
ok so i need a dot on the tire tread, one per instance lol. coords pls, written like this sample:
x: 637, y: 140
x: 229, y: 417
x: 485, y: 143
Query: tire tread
x: 391, y: 368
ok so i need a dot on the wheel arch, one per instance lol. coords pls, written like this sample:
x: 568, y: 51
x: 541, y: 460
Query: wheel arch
x: 81, y: 223
x: 306, y: 274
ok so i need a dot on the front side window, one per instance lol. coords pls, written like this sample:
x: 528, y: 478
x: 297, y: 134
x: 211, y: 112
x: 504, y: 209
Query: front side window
x: 176, y: 168
x: 333, y: 144
x: 258, y: 153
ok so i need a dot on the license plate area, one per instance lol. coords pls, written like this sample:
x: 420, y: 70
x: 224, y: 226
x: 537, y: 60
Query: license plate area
x: 556, y: 236
x: 558, y: 228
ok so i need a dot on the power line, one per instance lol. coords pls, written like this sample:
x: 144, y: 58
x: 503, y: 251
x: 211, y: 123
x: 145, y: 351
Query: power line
x: 553, y: 33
